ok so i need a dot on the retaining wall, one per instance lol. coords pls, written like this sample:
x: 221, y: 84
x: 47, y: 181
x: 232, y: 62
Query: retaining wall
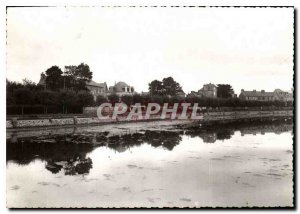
x: 208, y: 116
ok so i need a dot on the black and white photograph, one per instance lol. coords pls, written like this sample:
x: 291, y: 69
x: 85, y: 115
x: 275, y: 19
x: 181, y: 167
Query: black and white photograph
x: 150, y: 107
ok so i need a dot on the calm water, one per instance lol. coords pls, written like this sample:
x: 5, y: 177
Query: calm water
x: 245, y: 164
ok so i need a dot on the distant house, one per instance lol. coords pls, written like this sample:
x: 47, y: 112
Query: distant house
x: 257, y: 95
x: 208, y: 90
x: 97, y: 89
x: 42, y: 81
x: 121, y: 89
x: 283, y: 95
x: 262, y: 95
x: 180, y: 94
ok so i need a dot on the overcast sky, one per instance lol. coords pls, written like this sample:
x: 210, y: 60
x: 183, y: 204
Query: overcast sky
x: 249, y: 48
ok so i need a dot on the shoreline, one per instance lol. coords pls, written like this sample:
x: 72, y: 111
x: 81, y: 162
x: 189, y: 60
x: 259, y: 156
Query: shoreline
x: 25, y: 124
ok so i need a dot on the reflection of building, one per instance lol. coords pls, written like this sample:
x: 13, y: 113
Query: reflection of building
x: 121, y: 88
x: 97, y: 89
x: 268, y: 128
x: 208, y: 137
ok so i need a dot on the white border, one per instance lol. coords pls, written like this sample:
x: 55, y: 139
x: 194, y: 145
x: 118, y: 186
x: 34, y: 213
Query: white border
x: 4, y: 3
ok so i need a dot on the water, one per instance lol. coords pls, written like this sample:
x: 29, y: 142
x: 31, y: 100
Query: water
x: 245, y: 164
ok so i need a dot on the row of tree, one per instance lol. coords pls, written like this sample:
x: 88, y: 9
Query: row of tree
x: 66, y: 92
x: 73, y: 78
x: 62, y: 92
x: 205, y: 102
x: 169, y: 87
x: 30, y: 94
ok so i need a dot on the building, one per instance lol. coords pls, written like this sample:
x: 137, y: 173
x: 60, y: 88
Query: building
x: 181, y: 94
x: 121, y: 89
x: 208, y: 90
x: 97, y: 89
x: 262, y: 95
x: 42, y: 81
x: 283, y: 95
x: 257, y: 95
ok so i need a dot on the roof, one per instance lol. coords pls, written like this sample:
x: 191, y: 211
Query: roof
x: 210, y: 84
x: 93, y: 83
x: 121, y: 84
x: 257, y: 93
x: 42, y: 79
x: 278, y: 90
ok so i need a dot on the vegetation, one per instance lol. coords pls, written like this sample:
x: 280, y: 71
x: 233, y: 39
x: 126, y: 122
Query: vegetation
x: 167, y: 87
x: 224, y: 91
x: 61, y: 94
x: 66, y: 92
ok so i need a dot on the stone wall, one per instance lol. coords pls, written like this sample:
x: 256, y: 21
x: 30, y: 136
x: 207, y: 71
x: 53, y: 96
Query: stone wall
x: 209, y: 116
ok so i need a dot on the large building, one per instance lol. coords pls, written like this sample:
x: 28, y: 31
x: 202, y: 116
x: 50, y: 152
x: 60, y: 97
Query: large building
x: 283, y: 95
x: 121, y: 89
x: 97, y: 89
x: 266, y: 96
x: 42, y: 80
x: 208, y: 90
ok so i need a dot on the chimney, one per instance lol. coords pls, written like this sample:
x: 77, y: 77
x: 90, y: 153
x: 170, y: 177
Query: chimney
x: 242, y: 90
x: 262, y: 91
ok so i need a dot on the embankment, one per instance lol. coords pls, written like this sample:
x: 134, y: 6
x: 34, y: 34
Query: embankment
x: 18, y: 123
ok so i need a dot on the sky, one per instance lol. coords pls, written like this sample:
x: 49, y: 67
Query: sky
x: 249, y: 48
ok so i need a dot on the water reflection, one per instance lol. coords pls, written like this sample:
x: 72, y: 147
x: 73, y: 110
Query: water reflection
x: 236, y: 164
x: 68, y: 153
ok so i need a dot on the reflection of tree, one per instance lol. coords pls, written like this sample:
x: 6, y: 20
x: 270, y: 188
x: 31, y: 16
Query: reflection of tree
x: 224, y: 134
x: 211, y: 132
x: 71, y: 167
x: 68, y: 152
x: 165, y: 139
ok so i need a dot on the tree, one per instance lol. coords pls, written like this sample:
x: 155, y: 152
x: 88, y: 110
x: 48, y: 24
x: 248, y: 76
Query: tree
x: 224, y: 91
x: 113, y: 98
x: 127, y: 99
x: 78, y: 76
x: 54, y: 78
x: 156, y: 88
x: 85, y: 98
x: 100, y: 99
x: 137, y: 98
x: 171, y: 87
x: 46, y: 98
x: 23, y: 96
x: 67, y: 98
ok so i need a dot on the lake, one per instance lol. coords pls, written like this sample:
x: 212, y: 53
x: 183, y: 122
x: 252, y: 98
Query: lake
x: 237, y: 165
